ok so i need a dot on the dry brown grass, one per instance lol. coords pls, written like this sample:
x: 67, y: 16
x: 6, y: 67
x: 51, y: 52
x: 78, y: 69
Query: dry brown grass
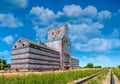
x: 13, y: 73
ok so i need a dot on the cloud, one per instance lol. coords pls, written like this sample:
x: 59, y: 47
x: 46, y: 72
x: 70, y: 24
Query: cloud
x: 40, y: 33
x: 8, y: 20
x: 90, y: 11
x: 104, y: 15
x: 86, y: 26
x: 8, y: 5
x: 20, y: 3
x: 8, y: 39
x: 115, y: 33
x: 40, y: 15
x: 72, y: 14
x: 76, y: 11
x: 97, y: 60
x: 3, y: 54
x: 98, y: 44
x: 72, y: 10
x: 84, y: 31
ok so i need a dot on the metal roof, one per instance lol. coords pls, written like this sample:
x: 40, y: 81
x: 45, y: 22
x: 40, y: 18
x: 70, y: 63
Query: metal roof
x: 37, y: 44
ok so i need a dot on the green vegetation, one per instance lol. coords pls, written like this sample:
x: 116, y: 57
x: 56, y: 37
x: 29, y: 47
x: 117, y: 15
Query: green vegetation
x: 116, y: 71
x: 3, y: 64
x: 119, y: 66
x: 98, y: 79
x: 49, y: 78
x: 98, y: 67
x: 89, y: 65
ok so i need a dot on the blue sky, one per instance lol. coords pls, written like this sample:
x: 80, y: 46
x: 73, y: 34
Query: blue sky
x: 94, y: 26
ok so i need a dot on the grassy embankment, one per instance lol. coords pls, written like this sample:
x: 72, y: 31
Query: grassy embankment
x: 116, y: 71
x: 60, y: 77
x: 99, y: 79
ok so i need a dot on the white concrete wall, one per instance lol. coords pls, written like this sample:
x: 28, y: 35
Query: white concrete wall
x: 56, y: 32
x: 74, y: 63
x: 56, y: 45
x: 22, y: 50
x: 19, y: 43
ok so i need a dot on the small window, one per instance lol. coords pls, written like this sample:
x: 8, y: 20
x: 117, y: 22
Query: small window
x: 58, y: 31
x: 52, y: 33
x: 19, y: 40
x: 15, y: 46
x: 23, y: 44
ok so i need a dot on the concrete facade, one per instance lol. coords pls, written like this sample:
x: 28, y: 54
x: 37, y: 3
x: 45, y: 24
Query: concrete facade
x: 58, y: 40
x: 55, y: 54
x: 74, y: 63
x: 28, y: 55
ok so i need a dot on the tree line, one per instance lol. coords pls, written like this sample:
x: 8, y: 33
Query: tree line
x: 91, y: 65
x: 3, y: 64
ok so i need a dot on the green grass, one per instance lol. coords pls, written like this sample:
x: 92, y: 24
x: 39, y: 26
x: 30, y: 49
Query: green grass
x: 48, y: 78
x: 98, y: 79
x: 116, y: 71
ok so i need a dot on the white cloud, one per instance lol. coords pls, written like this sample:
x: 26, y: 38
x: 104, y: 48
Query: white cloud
x: 41, y: 15
x: 85, y: 26
x: 73, y: 14
x: 97, y: 60
x: 115, y: 33
x: 104, y: 14
x: 82, y: 30
x: 77, y: 11
x: 98, y: 44
x: 90, y: 11
x: 9, y: 39
x: 72, y: 10
x: 9, y: 5
x: 3, y: 54
x: 8, y: 20
x: 19, y: 3
x: 40, y: 33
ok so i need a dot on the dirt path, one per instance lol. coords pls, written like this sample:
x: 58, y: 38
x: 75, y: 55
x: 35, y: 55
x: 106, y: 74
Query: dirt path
x: 106, y: 80
x: 116, y: 80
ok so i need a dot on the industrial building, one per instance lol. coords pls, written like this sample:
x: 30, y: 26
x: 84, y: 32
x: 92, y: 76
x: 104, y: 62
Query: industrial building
x: 74, y: 63
x: 28, y: 55
x: 54, y: 54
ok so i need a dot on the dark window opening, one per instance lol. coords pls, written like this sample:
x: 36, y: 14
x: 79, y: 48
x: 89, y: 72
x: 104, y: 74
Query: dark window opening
x: 23, y: 44
x: 19, y: 40
x: 52, y: 33
x: 58, y: 31
x: 15, y: 46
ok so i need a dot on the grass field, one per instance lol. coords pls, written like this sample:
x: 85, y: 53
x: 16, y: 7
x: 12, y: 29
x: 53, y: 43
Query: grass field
x: 99, y: 79
x: 116, y: 71
x: 50, y: 77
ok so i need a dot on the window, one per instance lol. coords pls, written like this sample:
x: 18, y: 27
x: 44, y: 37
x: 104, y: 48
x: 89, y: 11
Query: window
x: 58, y: 31
x: 23, y: 44
x: 19, y: 40
x: 15, y: 46
x: 52, y: 33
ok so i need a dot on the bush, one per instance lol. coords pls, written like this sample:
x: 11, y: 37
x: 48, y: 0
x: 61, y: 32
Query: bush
x: 98, y: 66
x: 119, y: 66
x: 89, y: 65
